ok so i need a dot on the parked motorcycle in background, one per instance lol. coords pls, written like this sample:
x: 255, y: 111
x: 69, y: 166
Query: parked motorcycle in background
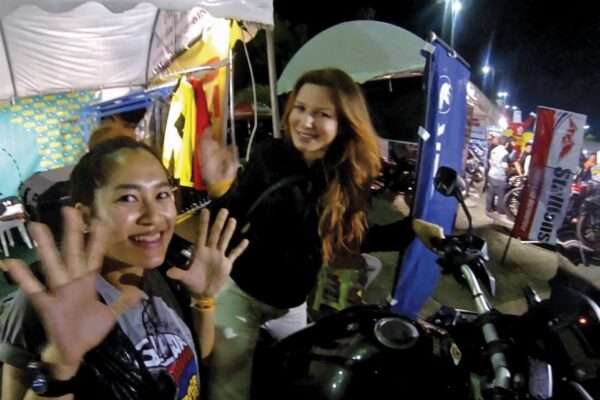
x: 512, y: 198
x: 550, y: 352
x: 588, y: 220
x: 397, y: 176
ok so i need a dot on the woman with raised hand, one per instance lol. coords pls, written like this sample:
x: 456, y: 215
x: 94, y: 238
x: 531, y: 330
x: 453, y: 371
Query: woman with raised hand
x: 301, y: 201
x: 105, y: 323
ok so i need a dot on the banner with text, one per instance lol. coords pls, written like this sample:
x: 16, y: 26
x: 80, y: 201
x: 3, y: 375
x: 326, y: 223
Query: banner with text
x: 554, y: 160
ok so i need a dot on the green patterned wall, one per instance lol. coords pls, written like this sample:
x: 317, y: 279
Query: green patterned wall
x: 40, y: 133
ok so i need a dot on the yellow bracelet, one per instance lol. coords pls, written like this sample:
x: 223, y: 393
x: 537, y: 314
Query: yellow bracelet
x: 207, y: 303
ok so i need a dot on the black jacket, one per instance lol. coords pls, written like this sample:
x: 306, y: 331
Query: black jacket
x: 281, y: 264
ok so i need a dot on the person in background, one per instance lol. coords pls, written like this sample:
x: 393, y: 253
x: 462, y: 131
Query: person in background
x: 106, y: 324
x: 591, y: 162
x: 322, y: 169
x: 497, y: 175
x: 493, y: 141
x: 522, y: 164
x: 117, y: 125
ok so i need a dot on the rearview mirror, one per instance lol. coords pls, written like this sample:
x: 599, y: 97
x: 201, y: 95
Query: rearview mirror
x: 446, y: 181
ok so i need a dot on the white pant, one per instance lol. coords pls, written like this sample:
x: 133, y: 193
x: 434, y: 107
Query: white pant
x: 238, y: 318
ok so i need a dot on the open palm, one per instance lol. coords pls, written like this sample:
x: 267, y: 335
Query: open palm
x: 218, y: 161
x: 73, y: 317
x: 210, y: 265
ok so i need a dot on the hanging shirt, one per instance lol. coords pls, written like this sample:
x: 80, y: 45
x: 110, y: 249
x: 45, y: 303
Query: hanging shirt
x: 178, y: 146
x: 202, y: 122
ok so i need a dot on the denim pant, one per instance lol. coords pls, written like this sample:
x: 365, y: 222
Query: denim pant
x: 238, y: 318
x: 496, y: 188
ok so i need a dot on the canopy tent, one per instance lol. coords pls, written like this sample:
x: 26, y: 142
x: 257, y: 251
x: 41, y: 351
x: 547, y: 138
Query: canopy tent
x: 57, y: 56
x: 52, y: 46
x: 365, y: 49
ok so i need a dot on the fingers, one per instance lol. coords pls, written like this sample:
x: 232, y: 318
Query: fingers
x: 238, y: 250
x: 21, y: 274
x: 52, y: 264
x: 72, y: 243
x: 129, y: 298
x: 227, y: 234
x: 177, y: 274
x: 203, y: 230
x: 99, y: 234
x: 217, y: 228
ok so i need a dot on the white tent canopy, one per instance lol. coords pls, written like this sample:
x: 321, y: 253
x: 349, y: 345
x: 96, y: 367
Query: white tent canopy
x: 59, y: 45
x: 364, y: 49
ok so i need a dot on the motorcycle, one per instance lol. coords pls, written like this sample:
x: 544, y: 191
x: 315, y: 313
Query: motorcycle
x: 397, y: 176
x: 474, y: 168
x: 550, y: 352
x: 588, y: 223
x: 512, y: 198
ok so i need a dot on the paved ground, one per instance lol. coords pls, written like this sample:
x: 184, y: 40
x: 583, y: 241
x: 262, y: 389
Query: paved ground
x: 525, y: 264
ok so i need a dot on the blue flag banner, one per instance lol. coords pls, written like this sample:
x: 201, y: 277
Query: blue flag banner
x: 441, y: 144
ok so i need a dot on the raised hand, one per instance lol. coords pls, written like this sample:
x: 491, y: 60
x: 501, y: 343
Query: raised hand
x: 218, y: 161
x: 73, y: 317
x: 210, y: 265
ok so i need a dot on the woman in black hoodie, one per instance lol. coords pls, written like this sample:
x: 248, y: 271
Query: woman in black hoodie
x: 300, y: 201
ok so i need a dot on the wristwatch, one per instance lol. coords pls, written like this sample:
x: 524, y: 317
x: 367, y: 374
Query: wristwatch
x: 43, y: 384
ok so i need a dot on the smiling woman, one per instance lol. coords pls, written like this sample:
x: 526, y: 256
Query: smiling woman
x: 302, y: 201
x: 86, y: 325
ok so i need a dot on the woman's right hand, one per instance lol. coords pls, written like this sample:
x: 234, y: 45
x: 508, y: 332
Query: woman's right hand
x: 218, y: 161
x: 74, y: 318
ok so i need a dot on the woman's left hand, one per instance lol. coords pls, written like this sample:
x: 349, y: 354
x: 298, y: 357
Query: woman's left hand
x: 426, y: 231
x: 210, y: 266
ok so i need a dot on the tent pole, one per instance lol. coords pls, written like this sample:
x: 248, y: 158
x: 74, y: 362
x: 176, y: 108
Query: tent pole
x: 156, y: 17
x: 272, y: 81
x: 8, y: 62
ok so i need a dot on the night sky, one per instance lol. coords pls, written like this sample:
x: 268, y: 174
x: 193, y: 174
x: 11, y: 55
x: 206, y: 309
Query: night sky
x: 543, y: 52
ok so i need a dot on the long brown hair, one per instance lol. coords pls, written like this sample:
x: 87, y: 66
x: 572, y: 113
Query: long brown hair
x: 351, y: 162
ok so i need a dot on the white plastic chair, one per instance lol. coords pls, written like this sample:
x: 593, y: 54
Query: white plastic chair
x: 6, y: 235
x: 12, y: 215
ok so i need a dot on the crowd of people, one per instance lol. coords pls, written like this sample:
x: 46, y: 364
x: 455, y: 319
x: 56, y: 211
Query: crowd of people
x: 101, y: 316
x: 507, y: 159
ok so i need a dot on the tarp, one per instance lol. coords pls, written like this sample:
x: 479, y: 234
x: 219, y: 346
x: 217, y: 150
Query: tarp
x: 39, y: 133
x: 52, y: 52
x: 364, y: 49
x: 50, y: 46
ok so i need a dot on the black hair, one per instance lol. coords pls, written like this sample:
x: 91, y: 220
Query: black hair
x: 94, y: 169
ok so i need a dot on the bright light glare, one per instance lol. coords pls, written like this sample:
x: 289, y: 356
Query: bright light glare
x: 503, y: 123
x: 586, y: 127
x: 456, y: 6
x: 486, y: 69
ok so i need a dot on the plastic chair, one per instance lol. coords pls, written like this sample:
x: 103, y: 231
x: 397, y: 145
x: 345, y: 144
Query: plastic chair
x: 12, y: 215
x: 5, y: 234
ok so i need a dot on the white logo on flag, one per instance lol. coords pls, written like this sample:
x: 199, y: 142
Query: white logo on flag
x: 445, y: 95
x: 441, y: 129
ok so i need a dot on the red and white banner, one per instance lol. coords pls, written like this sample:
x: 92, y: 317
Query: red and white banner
x: 554, y: 159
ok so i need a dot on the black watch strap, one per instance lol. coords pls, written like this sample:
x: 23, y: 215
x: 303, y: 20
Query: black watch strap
x: 43, y: 384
